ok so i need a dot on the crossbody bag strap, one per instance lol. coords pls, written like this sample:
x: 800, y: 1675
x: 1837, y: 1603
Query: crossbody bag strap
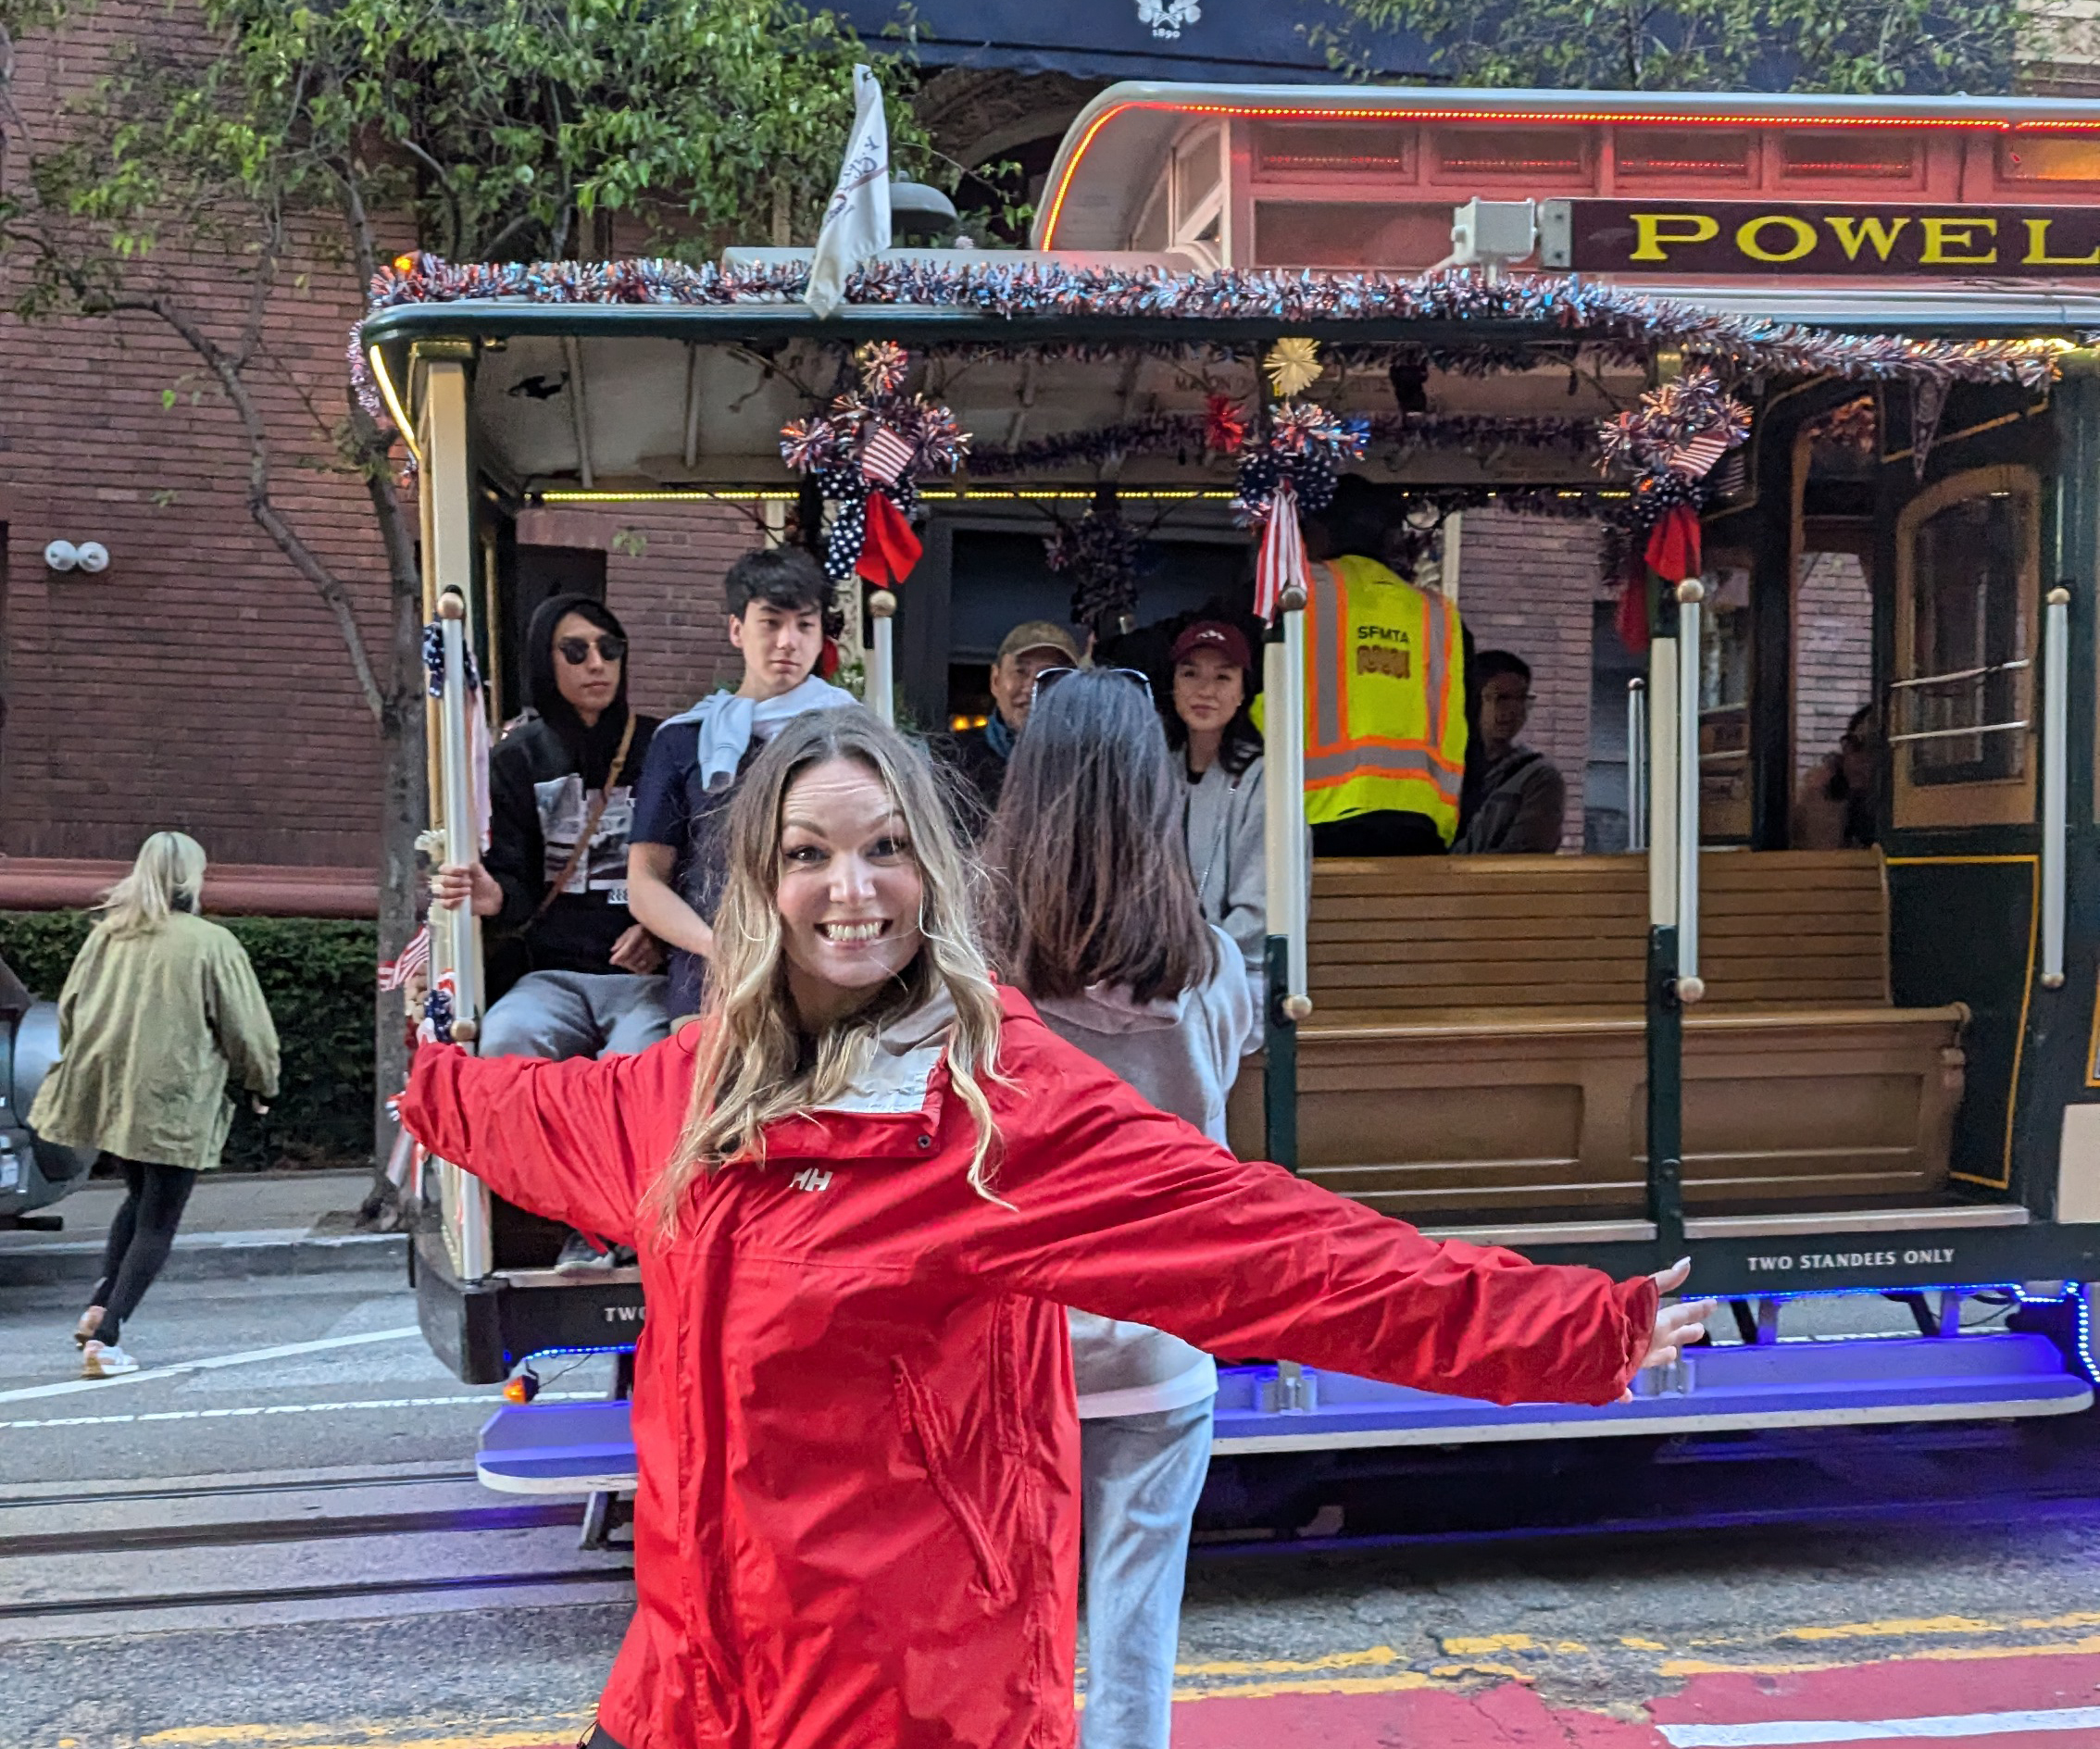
x: 591, y: 821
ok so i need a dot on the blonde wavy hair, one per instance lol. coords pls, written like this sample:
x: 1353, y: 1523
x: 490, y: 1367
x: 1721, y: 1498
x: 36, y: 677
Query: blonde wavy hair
x: 166, y: 877
x: 754, y: 1065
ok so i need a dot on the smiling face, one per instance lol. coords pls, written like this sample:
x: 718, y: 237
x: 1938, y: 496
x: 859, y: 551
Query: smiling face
x: 848, y: 893
x: 589, y: 686
x: 1209, y: 688
x: 780, y: 644
x: 1013, y: 680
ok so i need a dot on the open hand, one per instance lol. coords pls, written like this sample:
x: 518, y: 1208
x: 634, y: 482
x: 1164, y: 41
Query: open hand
x: 1676, y: 1326
x: 637, y: 951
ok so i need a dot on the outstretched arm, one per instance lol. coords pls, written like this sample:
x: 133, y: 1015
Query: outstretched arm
x: 1120, y: 1210
x: 572, y: 1139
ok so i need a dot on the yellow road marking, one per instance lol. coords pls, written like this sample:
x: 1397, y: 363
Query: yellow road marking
x: 1930, y: 1655
x: 1280, y: 1666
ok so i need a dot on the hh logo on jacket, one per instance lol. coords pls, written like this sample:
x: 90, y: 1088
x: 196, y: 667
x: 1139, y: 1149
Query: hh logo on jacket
x: 811, y: 1178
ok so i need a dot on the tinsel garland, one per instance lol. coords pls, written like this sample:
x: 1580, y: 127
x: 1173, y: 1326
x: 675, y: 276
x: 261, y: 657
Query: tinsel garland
x: 1189, y: 435
x: 1563, y: 307
x: 1100, y: 553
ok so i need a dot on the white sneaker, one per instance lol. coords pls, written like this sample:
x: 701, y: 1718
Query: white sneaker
x: 580, y: 1257
x: 105, y: 1360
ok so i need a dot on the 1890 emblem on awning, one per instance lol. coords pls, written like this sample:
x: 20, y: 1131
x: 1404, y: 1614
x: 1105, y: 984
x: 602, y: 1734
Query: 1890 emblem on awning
x: 1167, y: 17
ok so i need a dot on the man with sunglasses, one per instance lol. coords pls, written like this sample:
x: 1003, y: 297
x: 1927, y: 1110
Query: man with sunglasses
x: 1025, y: 652
x: 573, y: 973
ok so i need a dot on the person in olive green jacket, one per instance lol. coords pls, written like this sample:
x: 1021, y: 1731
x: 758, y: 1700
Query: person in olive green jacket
x: 161, y: 1006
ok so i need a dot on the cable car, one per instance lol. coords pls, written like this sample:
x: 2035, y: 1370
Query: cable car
x: 1867, y: 1067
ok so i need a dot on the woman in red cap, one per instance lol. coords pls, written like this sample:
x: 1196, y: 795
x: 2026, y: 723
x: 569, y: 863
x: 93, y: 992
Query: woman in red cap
x: 864, y: 1187
x: 1220, y: 750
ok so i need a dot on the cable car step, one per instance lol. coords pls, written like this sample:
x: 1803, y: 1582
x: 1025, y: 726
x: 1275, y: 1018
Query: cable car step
x: 580, y: 1448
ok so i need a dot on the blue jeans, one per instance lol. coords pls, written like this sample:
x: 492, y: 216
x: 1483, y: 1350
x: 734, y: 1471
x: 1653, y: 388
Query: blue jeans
x: 559, y: 1013
x: 1140, y: 1477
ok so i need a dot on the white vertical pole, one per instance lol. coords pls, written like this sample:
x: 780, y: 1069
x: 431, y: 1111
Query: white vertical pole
x: 1690, y: 987
x: 2055, y: 753
x: 881, y: 663
x: 448, y: 577
x: 1636, y: 764
x: 1662, y: 749
x: 1283, y: 679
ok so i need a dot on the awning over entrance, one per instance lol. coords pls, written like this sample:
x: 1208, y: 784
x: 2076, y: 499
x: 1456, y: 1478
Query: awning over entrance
x: 1214, y: 40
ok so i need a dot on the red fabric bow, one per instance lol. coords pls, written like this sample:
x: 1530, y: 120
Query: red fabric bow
x: 1673, y: 544
x: 891, y: 549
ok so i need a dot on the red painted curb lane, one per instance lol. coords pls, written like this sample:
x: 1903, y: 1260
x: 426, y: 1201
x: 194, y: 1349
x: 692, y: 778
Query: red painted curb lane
x: 1895, y: 1688
x: 1510, y: 1716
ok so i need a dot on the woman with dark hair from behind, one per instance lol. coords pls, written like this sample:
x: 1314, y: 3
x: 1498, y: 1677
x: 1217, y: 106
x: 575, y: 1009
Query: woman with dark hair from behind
x: 1210, y: 727
x: 1094, y: 918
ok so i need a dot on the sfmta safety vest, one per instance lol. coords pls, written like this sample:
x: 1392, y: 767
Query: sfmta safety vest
x: 1385, y: 698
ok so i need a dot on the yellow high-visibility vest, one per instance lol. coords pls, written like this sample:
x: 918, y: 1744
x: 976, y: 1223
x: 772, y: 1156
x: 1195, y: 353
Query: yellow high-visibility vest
x: 1385, y: 698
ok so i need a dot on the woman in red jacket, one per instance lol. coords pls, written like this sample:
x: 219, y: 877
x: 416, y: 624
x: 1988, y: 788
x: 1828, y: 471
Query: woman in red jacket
x: 864, y: 1190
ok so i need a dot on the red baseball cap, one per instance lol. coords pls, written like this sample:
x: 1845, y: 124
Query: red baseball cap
x: 1214, y: 634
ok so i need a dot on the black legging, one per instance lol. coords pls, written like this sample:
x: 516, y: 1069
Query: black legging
x: 140, y: 1239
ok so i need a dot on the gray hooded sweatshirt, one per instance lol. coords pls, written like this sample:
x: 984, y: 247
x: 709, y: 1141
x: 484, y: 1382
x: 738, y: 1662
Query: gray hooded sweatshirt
x: 1224, y: 824
x: 1182, y: 1054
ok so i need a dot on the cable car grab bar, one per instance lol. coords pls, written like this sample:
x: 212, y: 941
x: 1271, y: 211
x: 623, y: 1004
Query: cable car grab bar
x: 1949, y: 734
x: 1963, y: 674
x: 2056, y: 751
x: 1690, y: 592
x: 1636, y: 764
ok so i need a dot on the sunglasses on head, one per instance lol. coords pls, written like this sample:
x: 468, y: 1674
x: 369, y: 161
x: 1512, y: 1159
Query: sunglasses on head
x: 1051, y: 676
x: 577, y: 651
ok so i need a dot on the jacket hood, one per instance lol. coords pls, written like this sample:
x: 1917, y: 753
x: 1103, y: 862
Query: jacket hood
x: 1112, y: 1008
x: 590, y: 748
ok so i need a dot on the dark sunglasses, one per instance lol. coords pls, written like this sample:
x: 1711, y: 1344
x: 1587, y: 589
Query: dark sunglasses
x: 1051, y: 676
x: 577, y: 651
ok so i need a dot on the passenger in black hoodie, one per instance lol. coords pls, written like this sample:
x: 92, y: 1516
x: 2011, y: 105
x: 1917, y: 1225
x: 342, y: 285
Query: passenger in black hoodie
x: 592, y: 982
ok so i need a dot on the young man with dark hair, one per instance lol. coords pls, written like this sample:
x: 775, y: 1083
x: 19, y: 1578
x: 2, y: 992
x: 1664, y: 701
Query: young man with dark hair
x: 1520, y: 795
x: 677, y: 852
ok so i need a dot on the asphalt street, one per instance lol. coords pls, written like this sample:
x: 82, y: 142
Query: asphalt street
x: 429, y: 1612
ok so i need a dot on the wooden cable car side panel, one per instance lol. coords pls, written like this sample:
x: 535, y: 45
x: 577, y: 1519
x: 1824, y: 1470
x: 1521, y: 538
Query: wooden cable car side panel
x: 1477, y: 1045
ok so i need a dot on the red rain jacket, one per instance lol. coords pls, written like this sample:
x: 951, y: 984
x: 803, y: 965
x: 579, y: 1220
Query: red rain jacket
x: 857, y: 1520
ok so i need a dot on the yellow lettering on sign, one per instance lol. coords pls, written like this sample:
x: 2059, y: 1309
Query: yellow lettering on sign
x: 1650, y: 236
x: 1944, y: 234
x: 2038, y: 253
x: 1749, y: 237
x: 1878, y: 234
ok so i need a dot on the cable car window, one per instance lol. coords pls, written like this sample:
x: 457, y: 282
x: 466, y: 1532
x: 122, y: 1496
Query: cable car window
x: 1960, y: 714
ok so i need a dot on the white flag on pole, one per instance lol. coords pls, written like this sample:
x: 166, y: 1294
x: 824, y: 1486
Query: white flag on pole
x: 856, y: 223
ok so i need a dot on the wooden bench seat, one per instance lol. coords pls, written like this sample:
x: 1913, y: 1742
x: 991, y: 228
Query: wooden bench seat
x: 1477, y: 1045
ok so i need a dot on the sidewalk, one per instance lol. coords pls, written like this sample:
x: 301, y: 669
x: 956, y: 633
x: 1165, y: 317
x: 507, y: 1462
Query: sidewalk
x: 237, y: 1223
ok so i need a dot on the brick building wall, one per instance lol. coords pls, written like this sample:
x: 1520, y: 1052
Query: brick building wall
x: 198, y: 682
x: 1527, y: 584
x: 1833, y: 652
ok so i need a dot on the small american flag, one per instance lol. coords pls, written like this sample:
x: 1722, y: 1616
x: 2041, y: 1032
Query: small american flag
x: 1696, y: 457
x: 396, y: 974
x: 885, y: 455
x: 1282, y: 559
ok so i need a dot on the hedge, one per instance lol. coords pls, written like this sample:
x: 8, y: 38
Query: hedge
x: 317, y: 974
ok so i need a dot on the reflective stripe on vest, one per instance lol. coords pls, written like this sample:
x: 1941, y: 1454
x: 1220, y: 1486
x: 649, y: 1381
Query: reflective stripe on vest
x: 1385, y: 713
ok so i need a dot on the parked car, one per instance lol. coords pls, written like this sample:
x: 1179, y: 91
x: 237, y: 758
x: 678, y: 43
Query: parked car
x: 33, y: 1173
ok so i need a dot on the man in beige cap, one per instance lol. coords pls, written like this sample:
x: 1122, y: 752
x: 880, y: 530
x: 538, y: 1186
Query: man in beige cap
x: 1024, y: 653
